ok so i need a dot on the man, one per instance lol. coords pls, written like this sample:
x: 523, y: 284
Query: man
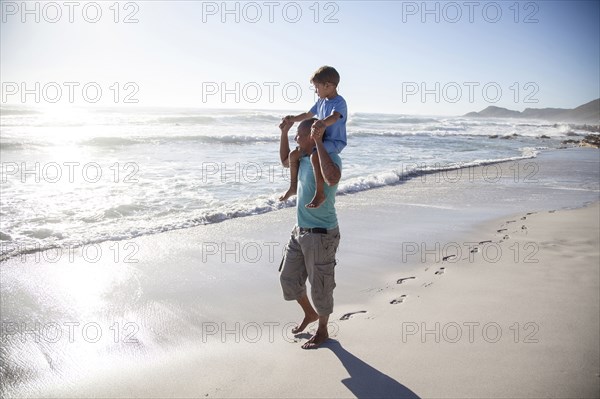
x: 310, y: 253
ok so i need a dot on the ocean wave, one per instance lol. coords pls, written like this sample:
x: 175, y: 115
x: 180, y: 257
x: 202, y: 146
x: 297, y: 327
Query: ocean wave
x: 5, y: 111
x: 123, y: 210
x: 186, y: 119
x: 430, y: 131
x: 260, y: 205
x: 111, y: 141
x: 255, y: 117
x: 7, y: 144
x: 215, y: 119
x: 394, y: 177
x: 119, y: 141
x: 360, y: 118
x: 235, y: 139
x: 14, y: 247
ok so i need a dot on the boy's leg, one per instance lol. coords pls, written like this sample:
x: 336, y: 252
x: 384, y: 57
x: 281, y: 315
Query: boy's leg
x: 319, y: 197
x: 294, y: 160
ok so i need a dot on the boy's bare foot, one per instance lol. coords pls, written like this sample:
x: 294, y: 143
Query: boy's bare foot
x: 287, y: 194
x: 307, y: 320
x: 316, y: 202
x: 316, y: 340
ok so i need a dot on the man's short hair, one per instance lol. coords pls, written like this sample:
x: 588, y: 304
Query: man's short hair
x: 326, y: 74
x: 306, y: 124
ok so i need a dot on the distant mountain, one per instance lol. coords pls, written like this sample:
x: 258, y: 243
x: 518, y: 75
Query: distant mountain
x: 588, y: 113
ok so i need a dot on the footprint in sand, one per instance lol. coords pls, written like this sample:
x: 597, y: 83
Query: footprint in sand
x: 401, y: 280
x: 398, y: 300
x: 441, y: 271
x: 524, y: 217
x: 510, y: 221
x: 427, y: 284
x: 348, y: 315
x: 523, y: 227
x: 530, y: 213
x: 475, y: 250
x: 373, y: 289
x: 500, y: 230
x: 484, y: 242
x: 445, y: 258
x: 552, y: 211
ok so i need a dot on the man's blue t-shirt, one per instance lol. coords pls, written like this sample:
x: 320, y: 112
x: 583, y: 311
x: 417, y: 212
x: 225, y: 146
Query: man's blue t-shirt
x: 335, y: 135
x: 324, y: 216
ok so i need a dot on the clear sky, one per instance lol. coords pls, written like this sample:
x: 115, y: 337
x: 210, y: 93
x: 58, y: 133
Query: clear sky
x: 436, y: 58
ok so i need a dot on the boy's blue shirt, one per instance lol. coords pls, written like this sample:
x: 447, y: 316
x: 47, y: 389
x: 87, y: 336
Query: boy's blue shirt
x: 335, y: 135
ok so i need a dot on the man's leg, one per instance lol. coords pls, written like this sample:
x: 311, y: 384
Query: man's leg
x: 310, y: 314
x: 319, y: 257
x: 293, y: 281
x: 321, y: 335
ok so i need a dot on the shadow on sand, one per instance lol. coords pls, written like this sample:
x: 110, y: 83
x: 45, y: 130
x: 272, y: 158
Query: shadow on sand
x: 366, y: 381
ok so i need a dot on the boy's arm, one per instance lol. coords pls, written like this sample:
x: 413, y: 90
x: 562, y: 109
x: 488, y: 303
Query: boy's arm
x: 284, y: 143
x: 330, y: 120
x: 300, y: 117
x: 333, y: 118
x: 329, y: 169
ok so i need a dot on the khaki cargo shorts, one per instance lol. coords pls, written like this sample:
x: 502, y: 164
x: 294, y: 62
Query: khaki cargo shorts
x: 310, y: 255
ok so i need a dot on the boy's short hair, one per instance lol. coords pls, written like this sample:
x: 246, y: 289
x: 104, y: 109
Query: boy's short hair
x: 326, y: 74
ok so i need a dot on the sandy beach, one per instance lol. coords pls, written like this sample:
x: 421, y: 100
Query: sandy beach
x: 447, y: 286
x: 142, y: 228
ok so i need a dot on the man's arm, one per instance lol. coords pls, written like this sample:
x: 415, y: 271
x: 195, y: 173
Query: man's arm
x: 329, y: 169
x: 284, y: 143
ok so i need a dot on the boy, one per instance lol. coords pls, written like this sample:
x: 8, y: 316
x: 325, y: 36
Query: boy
x: 331, y: 111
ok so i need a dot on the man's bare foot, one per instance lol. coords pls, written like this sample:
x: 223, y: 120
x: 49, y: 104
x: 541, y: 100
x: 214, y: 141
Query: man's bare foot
x: 287, y: 194
x: 307, y: 320
x: 316, y: 202
x: 316, y: 340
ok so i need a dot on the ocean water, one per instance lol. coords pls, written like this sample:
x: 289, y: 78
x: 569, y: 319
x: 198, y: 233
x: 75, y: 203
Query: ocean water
x: 83, y: 176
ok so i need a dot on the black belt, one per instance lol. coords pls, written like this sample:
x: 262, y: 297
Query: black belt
x: 316, y: 230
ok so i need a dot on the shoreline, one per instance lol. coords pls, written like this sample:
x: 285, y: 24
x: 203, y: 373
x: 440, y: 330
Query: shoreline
x: 404, y: 176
